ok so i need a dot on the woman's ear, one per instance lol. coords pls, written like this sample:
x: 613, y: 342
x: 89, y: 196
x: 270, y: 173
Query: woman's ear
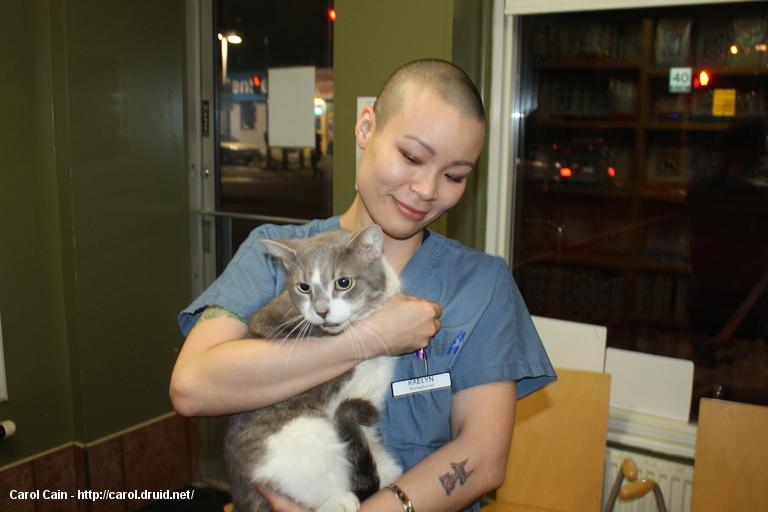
x: 364, y: 127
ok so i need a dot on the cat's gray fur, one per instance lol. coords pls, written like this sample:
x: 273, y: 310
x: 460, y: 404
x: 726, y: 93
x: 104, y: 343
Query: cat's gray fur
x: 251, y: 442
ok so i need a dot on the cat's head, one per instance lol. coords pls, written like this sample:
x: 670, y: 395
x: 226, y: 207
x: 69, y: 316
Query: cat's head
x: 337, y: 277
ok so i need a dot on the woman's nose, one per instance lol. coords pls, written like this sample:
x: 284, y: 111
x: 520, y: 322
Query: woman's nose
x: 425, y: 185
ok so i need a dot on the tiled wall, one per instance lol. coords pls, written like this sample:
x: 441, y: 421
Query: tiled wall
x: 157, y: 456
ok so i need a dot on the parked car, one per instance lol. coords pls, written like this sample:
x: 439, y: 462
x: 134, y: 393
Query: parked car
x: 233, y: 151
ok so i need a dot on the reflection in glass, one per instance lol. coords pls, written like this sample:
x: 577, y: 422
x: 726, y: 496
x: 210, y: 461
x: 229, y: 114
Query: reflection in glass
x: 254, y: 176
x: 642, y: 194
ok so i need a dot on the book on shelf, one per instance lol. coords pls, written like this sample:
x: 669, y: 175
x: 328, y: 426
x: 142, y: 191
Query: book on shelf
x: 673, y: 41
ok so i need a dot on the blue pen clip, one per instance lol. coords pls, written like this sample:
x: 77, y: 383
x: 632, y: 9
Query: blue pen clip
x: 455, y: 348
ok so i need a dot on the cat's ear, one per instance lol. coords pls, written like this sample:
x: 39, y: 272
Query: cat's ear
x: 368, y: 242
x: 281, y: 251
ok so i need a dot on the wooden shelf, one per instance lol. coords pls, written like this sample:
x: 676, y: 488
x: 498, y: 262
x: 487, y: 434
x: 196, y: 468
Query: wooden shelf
x: 665, y: 267
x: 656, y: 72
x: 615, y: 261
x: 669, y: 323
x: 578, y: 190
x: 671, y: 194
x: 590, y: 64
x: 595, y: 124
x: 690, y: 126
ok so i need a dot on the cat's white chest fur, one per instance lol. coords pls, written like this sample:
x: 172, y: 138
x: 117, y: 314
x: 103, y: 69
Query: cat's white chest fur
x: 371, y: 380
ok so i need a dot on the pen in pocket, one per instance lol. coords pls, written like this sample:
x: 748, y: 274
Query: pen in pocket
x: 455, y: 348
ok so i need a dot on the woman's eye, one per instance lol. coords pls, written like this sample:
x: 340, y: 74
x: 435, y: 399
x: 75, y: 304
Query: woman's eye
x: 343, y: 283
x: 410, y: 158
x: 303, y: 287
x: 454, y: 179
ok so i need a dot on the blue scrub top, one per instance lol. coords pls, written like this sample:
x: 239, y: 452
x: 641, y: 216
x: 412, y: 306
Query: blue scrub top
x: 478, y: 297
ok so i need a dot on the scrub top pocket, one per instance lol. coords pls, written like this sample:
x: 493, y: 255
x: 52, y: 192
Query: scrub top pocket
x: 425, y: 416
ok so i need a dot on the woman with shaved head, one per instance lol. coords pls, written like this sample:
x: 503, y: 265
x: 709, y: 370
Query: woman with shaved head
x: 460, y: 311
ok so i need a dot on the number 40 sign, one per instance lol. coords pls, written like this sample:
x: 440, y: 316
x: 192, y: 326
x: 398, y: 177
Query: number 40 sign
x: 680, y: 79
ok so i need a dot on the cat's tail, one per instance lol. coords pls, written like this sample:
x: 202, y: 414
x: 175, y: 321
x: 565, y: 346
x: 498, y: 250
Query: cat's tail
x: 351, y: 416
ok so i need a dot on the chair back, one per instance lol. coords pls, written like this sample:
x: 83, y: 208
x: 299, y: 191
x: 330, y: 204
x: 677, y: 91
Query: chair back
x: 556, y: 461
x: 730, y: 471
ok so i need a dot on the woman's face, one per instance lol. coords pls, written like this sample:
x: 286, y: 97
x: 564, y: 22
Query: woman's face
x: 416, y: 166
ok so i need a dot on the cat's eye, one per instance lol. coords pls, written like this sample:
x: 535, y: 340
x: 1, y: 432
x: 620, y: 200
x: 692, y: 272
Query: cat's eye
x: 303, y: 287
x: 343, y: 283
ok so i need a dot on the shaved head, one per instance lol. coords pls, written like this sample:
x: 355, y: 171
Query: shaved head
x: 449, y: 81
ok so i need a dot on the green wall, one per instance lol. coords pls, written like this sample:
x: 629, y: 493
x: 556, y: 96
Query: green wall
x: 31, y: 281
x: 371, y: 39
x: 472, y: 36
x: 94, y: 215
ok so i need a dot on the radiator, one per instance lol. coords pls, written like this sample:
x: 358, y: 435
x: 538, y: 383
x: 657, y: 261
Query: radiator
x: 674, y: 479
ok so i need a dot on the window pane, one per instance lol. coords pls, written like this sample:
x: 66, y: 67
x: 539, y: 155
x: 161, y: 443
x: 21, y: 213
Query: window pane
x: 642, y: 194
x: 254, y: 176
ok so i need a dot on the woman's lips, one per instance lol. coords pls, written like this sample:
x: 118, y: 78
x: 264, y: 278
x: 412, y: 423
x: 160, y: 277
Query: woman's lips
x: 408, y: 211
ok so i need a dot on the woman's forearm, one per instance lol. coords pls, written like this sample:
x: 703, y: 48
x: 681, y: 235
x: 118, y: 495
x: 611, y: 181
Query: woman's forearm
x: 218, y: 371
x: 450, y: 479
x: 245, y: 374
x: 469, y: 466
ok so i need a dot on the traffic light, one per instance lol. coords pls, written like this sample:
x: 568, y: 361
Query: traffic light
x: 256, y: 83
x: 702, y: 80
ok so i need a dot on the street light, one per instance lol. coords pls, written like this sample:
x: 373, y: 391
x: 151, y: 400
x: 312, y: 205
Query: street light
x: 230, y: 38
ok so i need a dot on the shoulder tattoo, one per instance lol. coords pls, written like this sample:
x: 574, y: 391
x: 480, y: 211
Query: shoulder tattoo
x: 216, y: 311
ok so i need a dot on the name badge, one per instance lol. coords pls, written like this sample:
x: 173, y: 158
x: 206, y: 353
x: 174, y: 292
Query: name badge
x: 421, y: 384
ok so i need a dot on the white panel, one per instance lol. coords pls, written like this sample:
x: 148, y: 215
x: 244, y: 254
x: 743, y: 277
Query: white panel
x: 652, y: 432
x: 291, y: 104
x: 516, y: 7
x: 572, y: 345
x: 649, y: 383
x: 3, y: 384
x: 501, y: 136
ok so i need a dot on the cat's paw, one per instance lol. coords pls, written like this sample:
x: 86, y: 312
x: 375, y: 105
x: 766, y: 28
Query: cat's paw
x: 344, y: 502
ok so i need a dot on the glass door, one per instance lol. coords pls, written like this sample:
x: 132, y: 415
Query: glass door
x: 262, y: 174
x: 255, y: 68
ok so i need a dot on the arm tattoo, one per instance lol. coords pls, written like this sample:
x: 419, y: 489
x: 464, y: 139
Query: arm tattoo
x: 216, y: 311
x: 458, y: 476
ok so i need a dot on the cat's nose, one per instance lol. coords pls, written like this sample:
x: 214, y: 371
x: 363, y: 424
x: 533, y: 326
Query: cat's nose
x: 322, y: 314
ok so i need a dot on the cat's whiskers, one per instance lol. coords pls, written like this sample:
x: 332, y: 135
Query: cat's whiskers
x: 279, y: 327
x: 373, y: 334
x: 289, y: 340
x: 302, y: 335
x: 362, y: 352
x: 287, y: 337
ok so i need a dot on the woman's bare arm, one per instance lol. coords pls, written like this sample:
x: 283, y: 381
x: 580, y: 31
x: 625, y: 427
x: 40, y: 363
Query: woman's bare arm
x: 472, y: 464
x: 220, y: 371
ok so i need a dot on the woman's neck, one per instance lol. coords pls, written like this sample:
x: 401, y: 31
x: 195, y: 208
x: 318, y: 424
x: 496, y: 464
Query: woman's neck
x: 398, y: 252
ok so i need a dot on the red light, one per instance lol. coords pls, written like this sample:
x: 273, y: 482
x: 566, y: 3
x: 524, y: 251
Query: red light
x: 332, y: 14
x: 612, y: 172
x: 256, y: 81
x: 704, y: 78
x: 566, y: 172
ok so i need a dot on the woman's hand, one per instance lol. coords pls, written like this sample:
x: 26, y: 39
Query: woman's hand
x: 280, y: 502
x: 403, y: 325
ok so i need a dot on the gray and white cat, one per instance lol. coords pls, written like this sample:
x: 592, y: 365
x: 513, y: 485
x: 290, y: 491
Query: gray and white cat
x: 320, y: 448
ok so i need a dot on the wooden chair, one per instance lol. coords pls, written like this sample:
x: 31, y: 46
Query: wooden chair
x: 730, y: 470
x: 556, y: 461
